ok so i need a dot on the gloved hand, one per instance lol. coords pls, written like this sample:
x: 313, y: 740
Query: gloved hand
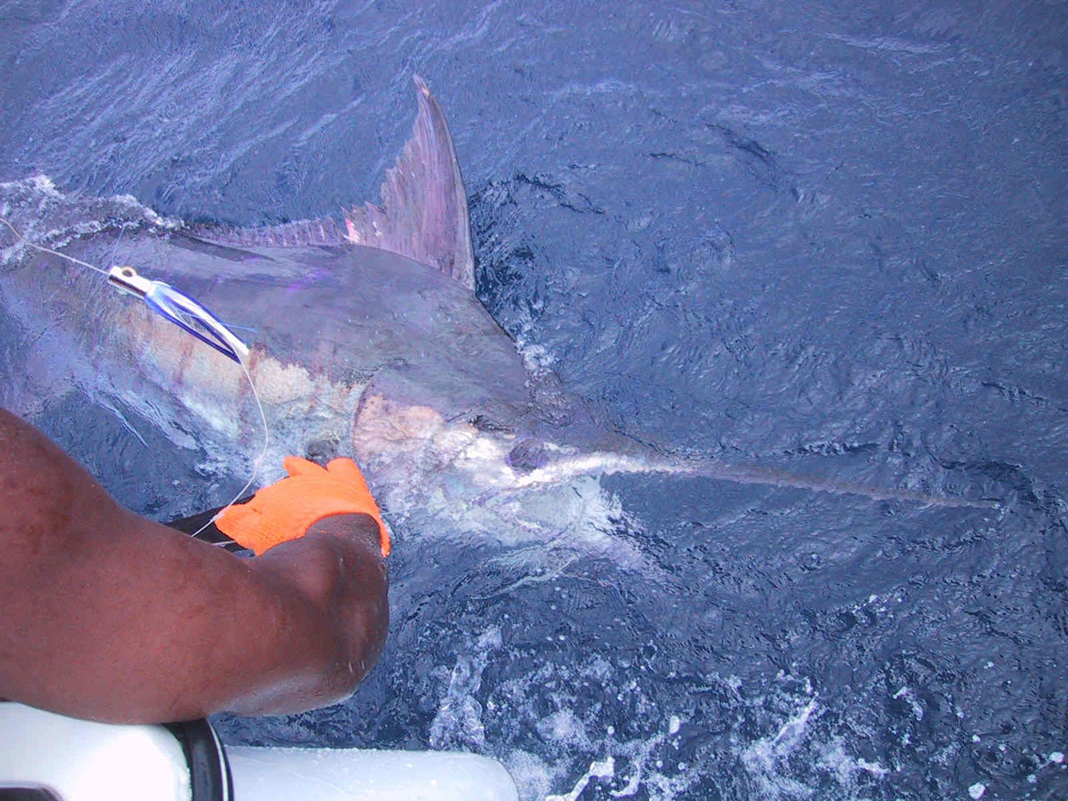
x: 286, y: 509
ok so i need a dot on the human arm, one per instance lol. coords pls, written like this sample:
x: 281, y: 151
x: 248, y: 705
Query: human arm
x: 109, y: 616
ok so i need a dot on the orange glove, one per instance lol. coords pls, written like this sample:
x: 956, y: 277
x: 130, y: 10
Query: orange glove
x: 286, y: 509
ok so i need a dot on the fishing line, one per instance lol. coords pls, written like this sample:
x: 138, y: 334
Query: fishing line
x: 43, y: 249
x: 257, y: 464
x: 187, y: 314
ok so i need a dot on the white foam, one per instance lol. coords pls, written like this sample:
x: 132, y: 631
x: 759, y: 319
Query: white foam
x: 795, y: 737
x: 531, y: 774
x: 563, y: 726
x: 873, y: 768
x: 906, y: 693
x: 835, y: 760
x: 601, y: 769
x: 536, y: 358
x: 634, y: 764
x: 49, y: 217
x: 767, y: 751
x: 459, y: 717
x: 42, y: 183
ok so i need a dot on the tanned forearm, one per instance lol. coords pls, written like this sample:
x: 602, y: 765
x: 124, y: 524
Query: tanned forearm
x: 109, y: 616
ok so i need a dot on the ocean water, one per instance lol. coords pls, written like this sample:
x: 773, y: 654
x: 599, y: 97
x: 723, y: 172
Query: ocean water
x: 824, y: 238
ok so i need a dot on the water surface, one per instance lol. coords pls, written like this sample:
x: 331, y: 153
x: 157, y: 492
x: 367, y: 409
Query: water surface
x: 827, y: 238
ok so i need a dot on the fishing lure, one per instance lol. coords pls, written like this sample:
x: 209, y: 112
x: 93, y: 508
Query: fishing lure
x: 187, y: 314
x: 180, y: 309
x: 164, y: 300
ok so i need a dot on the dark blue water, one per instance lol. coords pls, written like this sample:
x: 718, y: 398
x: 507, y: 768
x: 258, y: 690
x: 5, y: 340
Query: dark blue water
x: 828, y: 238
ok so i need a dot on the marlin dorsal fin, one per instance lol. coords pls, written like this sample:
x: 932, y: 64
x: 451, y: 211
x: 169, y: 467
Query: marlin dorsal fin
x: 422, y: 213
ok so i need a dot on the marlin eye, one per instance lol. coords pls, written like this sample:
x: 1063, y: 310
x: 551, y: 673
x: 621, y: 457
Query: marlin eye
x: 528, y: 455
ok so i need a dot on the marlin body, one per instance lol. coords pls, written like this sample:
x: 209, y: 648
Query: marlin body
x: 368, y: 342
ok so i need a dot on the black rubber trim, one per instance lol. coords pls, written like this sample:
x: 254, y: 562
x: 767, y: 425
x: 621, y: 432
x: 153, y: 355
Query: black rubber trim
x: 187, y: 525
x: 209, y: 769
x: 27, y: 794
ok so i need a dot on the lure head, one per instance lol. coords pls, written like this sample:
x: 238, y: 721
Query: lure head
x: 125, y: 279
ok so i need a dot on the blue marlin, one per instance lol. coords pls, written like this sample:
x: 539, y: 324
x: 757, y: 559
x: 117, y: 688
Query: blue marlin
x: 368, y: 342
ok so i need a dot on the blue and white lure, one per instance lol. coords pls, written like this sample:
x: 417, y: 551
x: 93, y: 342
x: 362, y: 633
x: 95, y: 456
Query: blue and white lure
x: 187, y: 314
x: 180, y: 309
x: 163, y: 299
